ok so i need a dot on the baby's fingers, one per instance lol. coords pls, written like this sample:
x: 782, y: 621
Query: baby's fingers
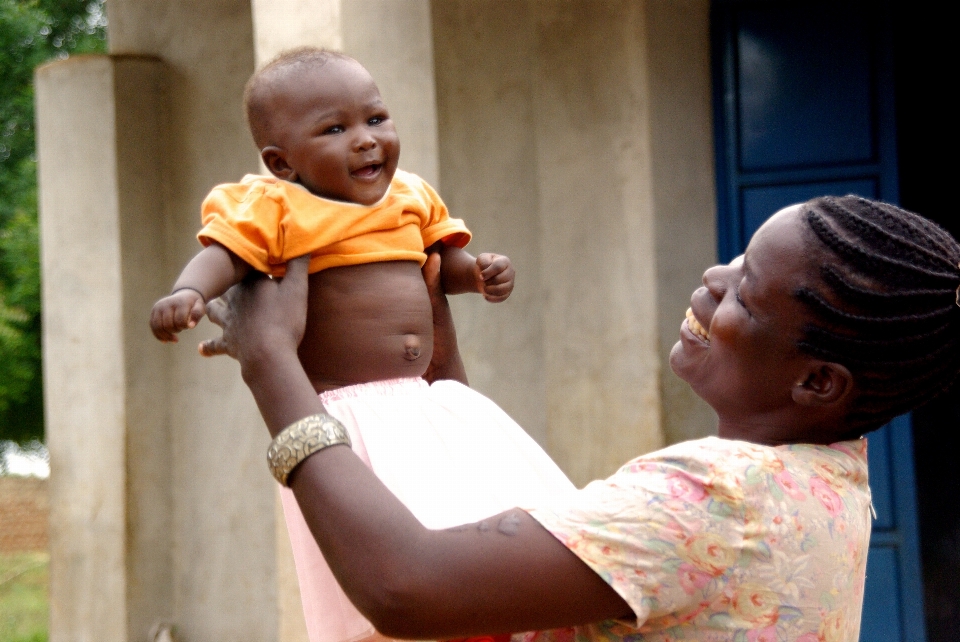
x: 497, y: 293
x: 187, y: 316
x: 161, y: 322
x: 493, y: 264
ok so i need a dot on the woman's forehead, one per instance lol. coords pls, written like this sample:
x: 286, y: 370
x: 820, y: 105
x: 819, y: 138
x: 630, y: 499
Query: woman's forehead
x: 783, y: 257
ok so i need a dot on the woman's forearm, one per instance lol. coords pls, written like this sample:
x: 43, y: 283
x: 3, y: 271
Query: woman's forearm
x: 503, y: 574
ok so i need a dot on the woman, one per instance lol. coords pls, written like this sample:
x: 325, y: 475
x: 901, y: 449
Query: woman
x: 841, y: 314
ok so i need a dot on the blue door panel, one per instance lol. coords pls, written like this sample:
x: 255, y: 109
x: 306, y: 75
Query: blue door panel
x: 881, y: 612
x: 881, y: 481
x: 787, y: 65
x: 803, y: 106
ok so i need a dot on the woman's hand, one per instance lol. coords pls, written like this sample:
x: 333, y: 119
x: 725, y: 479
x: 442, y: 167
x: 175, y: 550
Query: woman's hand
x: 263, y: 321
x: 260, y: 315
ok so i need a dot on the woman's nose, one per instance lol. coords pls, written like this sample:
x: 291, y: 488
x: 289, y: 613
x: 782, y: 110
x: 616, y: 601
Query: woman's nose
x: 715, y: 280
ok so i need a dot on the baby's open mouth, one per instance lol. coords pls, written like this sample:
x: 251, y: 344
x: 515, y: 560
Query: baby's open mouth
x: 695, y: 326
x: 368, y: 171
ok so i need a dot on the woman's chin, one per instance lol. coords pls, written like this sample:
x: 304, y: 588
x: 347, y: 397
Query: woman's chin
x: 679, y: 361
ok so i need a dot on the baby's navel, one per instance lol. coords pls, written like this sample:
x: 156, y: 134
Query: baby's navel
x: 411, y: 347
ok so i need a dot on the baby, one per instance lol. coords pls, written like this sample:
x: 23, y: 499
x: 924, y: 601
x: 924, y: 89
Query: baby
x: 450, y: 454
x: 325, y: 134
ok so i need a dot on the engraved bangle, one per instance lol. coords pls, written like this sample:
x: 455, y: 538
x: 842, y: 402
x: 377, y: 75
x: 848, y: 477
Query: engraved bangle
x: 301, y: 439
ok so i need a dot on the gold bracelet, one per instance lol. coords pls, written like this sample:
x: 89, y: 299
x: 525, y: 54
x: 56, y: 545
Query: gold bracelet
x: 301, y: 439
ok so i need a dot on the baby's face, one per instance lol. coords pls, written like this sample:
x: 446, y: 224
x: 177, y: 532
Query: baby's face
x: 334, y: 132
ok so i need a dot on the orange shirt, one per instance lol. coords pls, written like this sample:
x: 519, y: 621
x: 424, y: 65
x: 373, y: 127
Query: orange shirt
x: 267, y: 221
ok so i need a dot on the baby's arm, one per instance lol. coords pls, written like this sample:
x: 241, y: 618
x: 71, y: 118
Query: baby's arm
x: 489, y: 274
x: 208, y: 275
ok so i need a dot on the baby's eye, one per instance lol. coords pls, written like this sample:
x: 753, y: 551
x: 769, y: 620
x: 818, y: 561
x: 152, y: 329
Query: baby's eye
x: 335, y: 129
x: 376, y: 120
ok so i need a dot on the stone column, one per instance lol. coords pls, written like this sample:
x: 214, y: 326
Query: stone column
x: 99, y: 141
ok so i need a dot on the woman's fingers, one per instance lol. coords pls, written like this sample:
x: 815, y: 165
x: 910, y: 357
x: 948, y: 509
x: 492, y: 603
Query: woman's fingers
x: 216, y: 311
x: 431, y: 275
x: 258, y: 311
x: 296, y: 277
x: 213, y: 347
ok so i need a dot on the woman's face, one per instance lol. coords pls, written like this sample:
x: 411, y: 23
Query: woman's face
x: 739, y: 353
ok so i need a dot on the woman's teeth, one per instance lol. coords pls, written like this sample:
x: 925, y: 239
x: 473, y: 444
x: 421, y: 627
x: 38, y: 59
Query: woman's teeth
x: 695, y: 326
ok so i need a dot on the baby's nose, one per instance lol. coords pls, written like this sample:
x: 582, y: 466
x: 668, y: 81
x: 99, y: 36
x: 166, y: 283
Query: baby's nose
x: 364, y: 142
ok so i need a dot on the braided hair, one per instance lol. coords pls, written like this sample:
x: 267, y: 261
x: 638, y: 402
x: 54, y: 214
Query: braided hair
x: 887, y: 306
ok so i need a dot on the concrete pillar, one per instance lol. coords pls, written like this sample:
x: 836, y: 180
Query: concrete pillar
x: 393, y: 40
x: 224, y: 529
x: 575, y: 137
x: 683, y: 188
x: 100, y: 128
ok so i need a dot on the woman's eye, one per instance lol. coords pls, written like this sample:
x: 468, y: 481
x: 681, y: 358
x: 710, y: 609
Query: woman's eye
x: 740, y: 300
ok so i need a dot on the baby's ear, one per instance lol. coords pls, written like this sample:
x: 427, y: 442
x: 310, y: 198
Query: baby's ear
x: 825, y: 384
x: 276, y: 161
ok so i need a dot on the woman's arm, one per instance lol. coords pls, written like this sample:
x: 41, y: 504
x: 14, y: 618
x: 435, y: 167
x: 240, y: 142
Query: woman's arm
x: 503, y: 574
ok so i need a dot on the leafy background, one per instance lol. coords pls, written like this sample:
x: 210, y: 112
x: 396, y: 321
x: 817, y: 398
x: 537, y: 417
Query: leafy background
x: 31, y: 32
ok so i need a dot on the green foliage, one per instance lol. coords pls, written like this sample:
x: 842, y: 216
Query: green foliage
x: 31, y: 33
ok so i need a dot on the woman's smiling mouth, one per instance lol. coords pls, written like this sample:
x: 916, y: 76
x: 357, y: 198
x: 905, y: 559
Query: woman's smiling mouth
x: 698, y: 330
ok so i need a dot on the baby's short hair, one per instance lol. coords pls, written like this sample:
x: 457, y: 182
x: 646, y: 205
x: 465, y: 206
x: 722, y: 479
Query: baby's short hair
x: 256, y: 92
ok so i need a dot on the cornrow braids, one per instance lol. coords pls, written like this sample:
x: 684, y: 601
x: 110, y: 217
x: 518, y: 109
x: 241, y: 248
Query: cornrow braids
x: 887, y: 306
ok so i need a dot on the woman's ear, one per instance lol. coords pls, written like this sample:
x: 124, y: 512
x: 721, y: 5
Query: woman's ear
x: 825, y: 384
x: 276, y: 161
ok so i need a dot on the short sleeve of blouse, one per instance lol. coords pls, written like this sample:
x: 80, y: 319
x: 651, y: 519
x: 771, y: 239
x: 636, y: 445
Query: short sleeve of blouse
x: 662, y: 532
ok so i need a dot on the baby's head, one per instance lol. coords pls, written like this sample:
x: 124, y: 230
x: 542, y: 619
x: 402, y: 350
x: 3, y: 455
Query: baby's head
x: 842, y: 314
x: 318, y: 120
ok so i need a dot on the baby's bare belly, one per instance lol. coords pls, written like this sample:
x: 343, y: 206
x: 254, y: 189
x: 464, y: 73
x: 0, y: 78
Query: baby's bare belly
x: 365, y: 323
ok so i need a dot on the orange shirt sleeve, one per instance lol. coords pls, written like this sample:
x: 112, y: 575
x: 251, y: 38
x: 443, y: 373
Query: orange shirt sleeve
x: 437, y: 224
x: 247, y: 219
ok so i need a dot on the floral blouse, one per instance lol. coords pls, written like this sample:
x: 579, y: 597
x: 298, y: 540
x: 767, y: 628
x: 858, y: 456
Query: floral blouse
x: 720, y: 540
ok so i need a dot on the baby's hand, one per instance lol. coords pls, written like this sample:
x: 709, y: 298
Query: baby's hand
x: 495, y: 275
x: 179, y: 311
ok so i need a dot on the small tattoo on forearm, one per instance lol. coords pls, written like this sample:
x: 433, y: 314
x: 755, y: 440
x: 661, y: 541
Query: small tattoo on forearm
x: 509, y: 524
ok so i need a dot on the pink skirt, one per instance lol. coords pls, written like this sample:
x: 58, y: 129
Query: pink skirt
x: 448, y: 453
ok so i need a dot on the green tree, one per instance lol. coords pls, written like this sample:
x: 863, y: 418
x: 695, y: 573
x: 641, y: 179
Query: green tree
x: 31, y: 33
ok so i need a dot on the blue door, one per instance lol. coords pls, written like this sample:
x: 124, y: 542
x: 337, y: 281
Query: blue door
x: 803, y: 105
